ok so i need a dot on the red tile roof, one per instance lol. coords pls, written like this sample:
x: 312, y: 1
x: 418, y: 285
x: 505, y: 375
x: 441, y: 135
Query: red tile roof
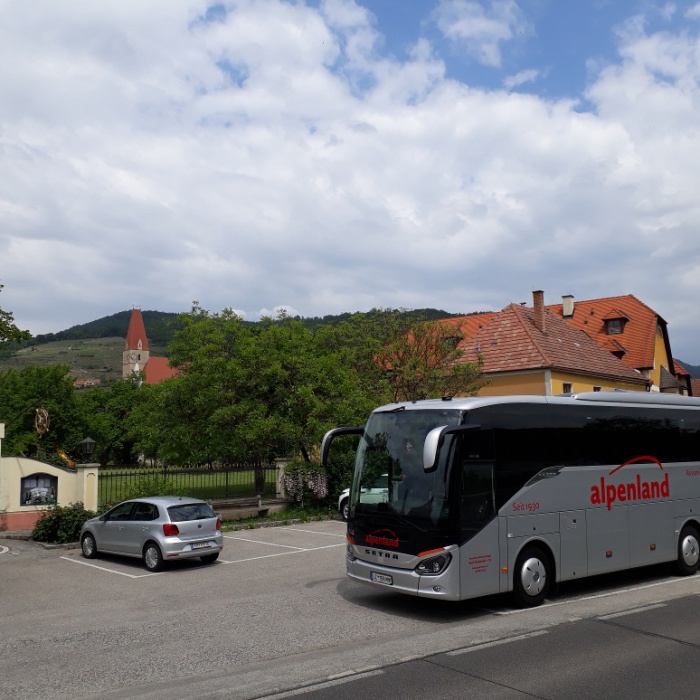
x: 469, y: 325
x: 638, y: 337
x: 511, y: 341
x: 136, y: 332
x: 157, y: 369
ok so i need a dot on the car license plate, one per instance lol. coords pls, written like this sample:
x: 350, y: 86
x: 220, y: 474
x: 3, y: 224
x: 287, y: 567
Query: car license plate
x: 201, y: 545
x: 381, y: 578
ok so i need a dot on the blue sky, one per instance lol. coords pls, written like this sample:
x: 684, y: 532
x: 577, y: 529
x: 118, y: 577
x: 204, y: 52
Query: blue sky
x: 339, y: 155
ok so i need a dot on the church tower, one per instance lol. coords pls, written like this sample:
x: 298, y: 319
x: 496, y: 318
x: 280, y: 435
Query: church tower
x: 136, y: 354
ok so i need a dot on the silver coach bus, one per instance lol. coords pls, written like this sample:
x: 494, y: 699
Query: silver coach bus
x: 514, y: 493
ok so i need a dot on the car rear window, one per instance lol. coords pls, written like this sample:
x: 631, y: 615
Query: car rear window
x: 190, y: 511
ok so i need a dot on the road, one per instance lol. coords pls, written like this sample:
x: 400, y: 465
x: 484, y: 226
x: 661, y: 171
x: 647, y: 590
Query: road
x: 276, y: 618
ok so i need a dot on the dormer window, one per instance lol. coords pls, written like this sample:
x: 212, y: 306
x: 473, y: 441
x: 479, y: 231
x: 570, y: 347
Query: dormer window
x: 615, y: 323
x: 613, y: 326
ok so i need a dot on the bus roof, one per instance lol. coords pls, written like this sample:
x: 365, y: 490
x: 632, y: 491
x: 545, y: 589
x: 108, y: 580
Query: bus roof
x: 615, y: 398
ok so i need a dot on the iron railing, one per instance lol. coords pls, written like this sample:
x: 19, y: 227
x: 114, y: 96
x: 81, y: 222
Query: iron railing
x: 245, y: 481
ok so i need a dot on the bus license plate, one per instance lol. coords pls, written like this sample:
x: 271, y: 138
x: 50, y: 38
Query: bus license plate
x: 381, y: 578
x: 201, y: 545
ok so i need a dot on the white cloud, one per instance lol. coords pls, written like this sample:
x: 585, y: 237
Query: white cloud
x: 481, y: 27
x: 273, y: 157
x: 520, y: 78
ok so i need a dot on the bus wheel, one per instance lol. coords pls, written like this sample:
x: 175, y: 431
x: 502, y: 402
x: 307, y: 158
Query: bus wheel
x: 533, y: 577
x: 688, y: 551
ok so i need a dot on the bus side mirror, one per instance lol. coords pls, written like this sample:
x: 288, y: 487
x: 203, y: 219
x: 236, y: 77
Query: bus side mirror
x: 430, y: 448
x: 331, y: 435
x: 434, y: 440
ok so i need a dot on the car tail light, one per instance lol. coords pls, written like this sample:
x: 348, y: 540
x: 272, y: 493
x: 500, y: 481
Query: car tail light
x: 218, y: 523
x: 170, y: 529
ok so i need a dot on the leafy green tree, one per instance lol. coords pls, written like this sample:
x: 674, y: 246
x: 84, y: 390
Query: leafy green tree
x: 106, y: 414
x: 51, y: 389
x: 8, y: 330
x: 400, y: 356
x: 249, y: 393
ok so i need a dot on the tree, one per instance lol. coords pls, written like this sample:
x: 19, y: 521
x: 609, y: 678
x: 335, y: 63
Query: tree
x: 51, y: 389
x: 107, y: 412
x: 406, y: 358
x: 8, y: 330
x: 249, y: 393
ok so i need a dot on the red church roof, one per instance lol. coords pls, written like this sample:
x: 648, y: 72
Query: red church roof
x: 136, y: 332
x: 157, y: 369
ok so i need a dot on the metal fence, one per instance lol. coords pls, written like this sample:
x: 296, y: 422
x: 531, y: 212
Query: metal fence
x: 245, y: 481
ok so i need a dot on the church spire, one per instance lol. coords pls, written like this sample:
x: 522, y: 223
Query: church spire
x: 135, y: 355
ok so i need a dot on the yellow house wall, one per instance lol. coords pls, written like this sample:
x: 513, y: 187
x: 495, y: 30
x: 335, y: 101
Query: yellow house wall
x: 548, y: 383
x: 661, y: 358
x: 581, y: 382
x: 79, y: 485
x: 531, y: 383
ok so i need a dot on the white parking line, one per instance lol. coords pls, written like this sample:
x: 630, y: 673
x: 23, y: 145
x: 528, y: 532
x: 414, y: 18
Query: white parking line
x: 314, y: 532
x: 271, y: 544
x: 4, y: 549
x: 104, y: 568
x: 281, y: 554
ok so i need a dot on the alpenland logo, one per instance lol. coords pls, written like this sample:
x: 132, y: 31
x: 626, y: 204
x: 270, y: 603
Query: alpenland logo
x: 382, y: 538
x: 636, y: 490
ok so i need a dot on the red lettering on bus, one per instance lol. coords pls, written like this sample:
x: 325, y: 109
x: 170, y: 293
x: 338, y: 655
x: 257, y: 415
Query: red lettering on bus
x: 382, y: 538
x: 636, y: 490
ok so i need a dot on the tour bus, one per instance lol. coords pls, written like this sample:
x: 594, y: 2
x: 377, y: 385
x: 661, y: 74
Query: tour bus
x: 490, y: 495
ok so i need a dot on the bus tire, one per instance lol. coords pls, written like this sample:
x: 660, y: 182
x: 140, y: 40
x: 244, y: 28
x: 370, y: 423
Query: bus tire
x: 533, y: 577
x: 688, y: 551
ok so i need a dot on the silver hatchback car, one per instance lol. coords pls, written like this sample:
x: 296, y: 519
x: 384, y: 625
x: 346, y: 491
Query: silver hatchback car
x: 157, y: 529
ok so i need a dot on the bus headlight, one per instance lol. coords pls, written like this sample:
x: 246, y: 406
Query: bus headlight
x: 434, y: 565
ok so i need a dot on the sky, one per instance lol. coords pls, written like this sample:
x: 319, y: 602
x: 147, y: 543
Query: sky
x: 331, y: 156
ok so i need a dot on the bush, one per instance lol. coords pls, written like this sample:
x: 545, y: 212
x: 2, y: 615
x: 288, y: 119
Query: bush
x: 61, y: 524
x: 303, y: 482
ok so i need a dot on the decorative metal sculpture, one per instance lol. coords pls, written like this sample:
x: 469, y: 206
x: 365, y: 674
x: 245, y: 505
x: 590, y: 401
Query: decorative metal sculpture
x: 41, y: 421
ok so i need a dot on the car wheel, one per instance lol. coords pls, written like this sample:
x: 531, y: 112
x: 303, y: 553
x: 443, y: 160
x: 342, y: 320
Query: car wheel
x: 152, y: 557
x: 88, y: 546
x: 209, y: 558
x: 344, y: 509
x: 533, y: 577
x: 688, y: 551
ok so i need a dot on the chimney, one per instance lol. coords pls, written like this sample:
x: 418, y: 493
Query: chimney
x: 567, y: 305
x: 538, y: 310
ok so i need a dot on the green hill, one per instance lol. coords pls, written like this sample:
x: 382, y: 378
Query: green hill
x: 94, y: 350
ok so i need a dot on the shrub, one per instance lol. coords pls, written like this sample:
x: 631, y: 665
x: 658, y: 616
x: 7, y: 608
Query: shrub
x: 61, y: 524
x: 304, y: 482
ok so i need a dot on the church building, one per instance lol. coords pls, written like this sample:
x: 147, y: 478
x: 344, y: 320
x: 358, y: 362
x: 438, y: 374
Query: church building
x: 137, y: 357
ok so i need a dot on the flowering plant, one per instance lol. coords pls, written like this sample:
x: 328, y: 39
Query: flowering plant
x: 303, y: 481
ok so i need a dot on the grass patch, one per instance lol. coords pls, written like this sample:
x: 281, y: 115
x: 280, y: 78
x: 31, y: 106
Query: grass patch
x: 288, y: 516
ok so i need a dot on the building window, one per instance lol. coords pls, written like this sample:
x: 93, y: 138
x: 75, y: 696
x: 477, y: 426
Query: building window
x: 38, y: 489
x: 613, y: 326
x: 568, y: 388
x: 597, y: 388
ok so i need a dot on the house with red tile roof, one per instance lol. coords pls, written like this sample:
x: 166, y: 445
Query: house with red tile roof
x: 137, y: 357
x: 628, y: 329
x: 683, y: 378
x: 535, y: 351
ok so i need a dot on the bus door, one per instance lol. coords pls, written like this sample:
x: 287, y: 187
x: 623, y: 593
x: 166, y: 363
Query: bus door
x: 478, y: 525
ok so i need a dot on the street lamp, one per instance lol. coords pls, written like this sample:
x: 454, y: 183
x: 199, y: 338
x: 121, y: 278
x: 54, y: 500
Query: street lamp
x: 87, y: 447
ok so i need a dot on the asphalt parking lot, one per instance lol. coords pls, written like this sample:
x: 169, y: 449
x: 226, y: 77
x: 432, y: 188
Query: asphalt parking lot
x: 240, y: 546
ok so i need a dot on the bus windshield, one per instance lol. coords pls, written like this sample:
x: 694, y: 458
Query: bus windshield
x: 389, y: 475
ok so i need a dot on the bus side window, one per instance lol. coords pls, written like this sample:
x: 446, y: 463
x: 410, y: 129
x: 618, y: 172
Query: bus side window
x: 476, y: 506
